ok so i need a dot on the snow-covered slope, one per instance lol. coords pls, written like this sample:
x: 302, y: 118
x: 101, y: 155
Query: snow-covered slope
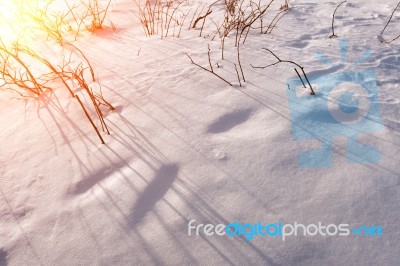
x: 184, y: 145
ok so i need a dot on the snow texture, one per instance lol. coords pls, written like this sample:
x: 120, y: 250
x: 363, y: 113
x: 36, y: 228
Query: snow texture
x: 184, y: 145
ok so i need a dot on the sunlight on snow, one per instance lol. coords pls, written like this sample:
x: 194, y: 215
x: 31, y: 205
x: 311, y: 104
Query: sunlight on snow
x: 19, y: 18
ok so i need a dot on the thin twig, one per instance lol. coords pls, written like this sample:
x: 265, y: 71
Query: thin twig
x: 212, y: 72
x: 391, y: 16
x: 333, y: 19
x: 297, y: 72
x: 90, y: 119
x: 271, y: 25
x: 286, y: 61
x: 392, y: 39
x: 200, y: 18
x: 276, y: 22
x: 209, y: 59
x: 237, y: 73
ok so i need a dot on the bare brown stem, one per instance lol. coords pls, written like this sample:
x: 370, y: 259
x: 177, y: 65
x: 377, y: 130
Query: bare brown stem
x: 212, y: 72
x: 286, y: 61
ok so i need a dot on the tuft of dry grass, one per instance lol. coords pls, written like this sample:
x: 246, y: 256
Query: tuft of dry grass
x: 18, y: 74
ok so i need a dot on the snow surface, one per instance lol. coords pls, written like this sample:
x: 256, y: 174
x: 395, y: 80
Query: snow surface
x: 184, y: 145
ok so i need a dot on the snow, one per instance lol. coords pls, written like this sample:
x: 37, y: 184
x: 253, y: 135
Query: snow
x: 184, y: 145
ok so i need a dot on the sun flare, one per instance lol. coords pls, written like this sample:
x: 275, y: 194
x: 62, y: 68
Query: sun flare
x: 18, y: 19
x: 14, y: 22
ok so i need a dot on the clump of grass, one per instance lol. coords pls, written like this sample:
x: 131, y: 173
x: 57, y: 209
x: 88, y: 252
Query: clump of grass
x: 24, y: 70
x: 54, y: 24
x: 81, y: 15
x: 240, y: 17
x: 17, y: 74
x: 95, y: 13
x: 161, y: 17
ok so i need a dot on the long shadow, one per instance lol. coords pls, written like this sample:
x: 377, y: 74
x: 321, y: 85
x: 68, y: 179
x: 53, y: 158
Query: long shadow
x: 3, y: 258
x: 153, y: 193
x: 229, y: 121
x: 166, y: 175
x: 200, y: 208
